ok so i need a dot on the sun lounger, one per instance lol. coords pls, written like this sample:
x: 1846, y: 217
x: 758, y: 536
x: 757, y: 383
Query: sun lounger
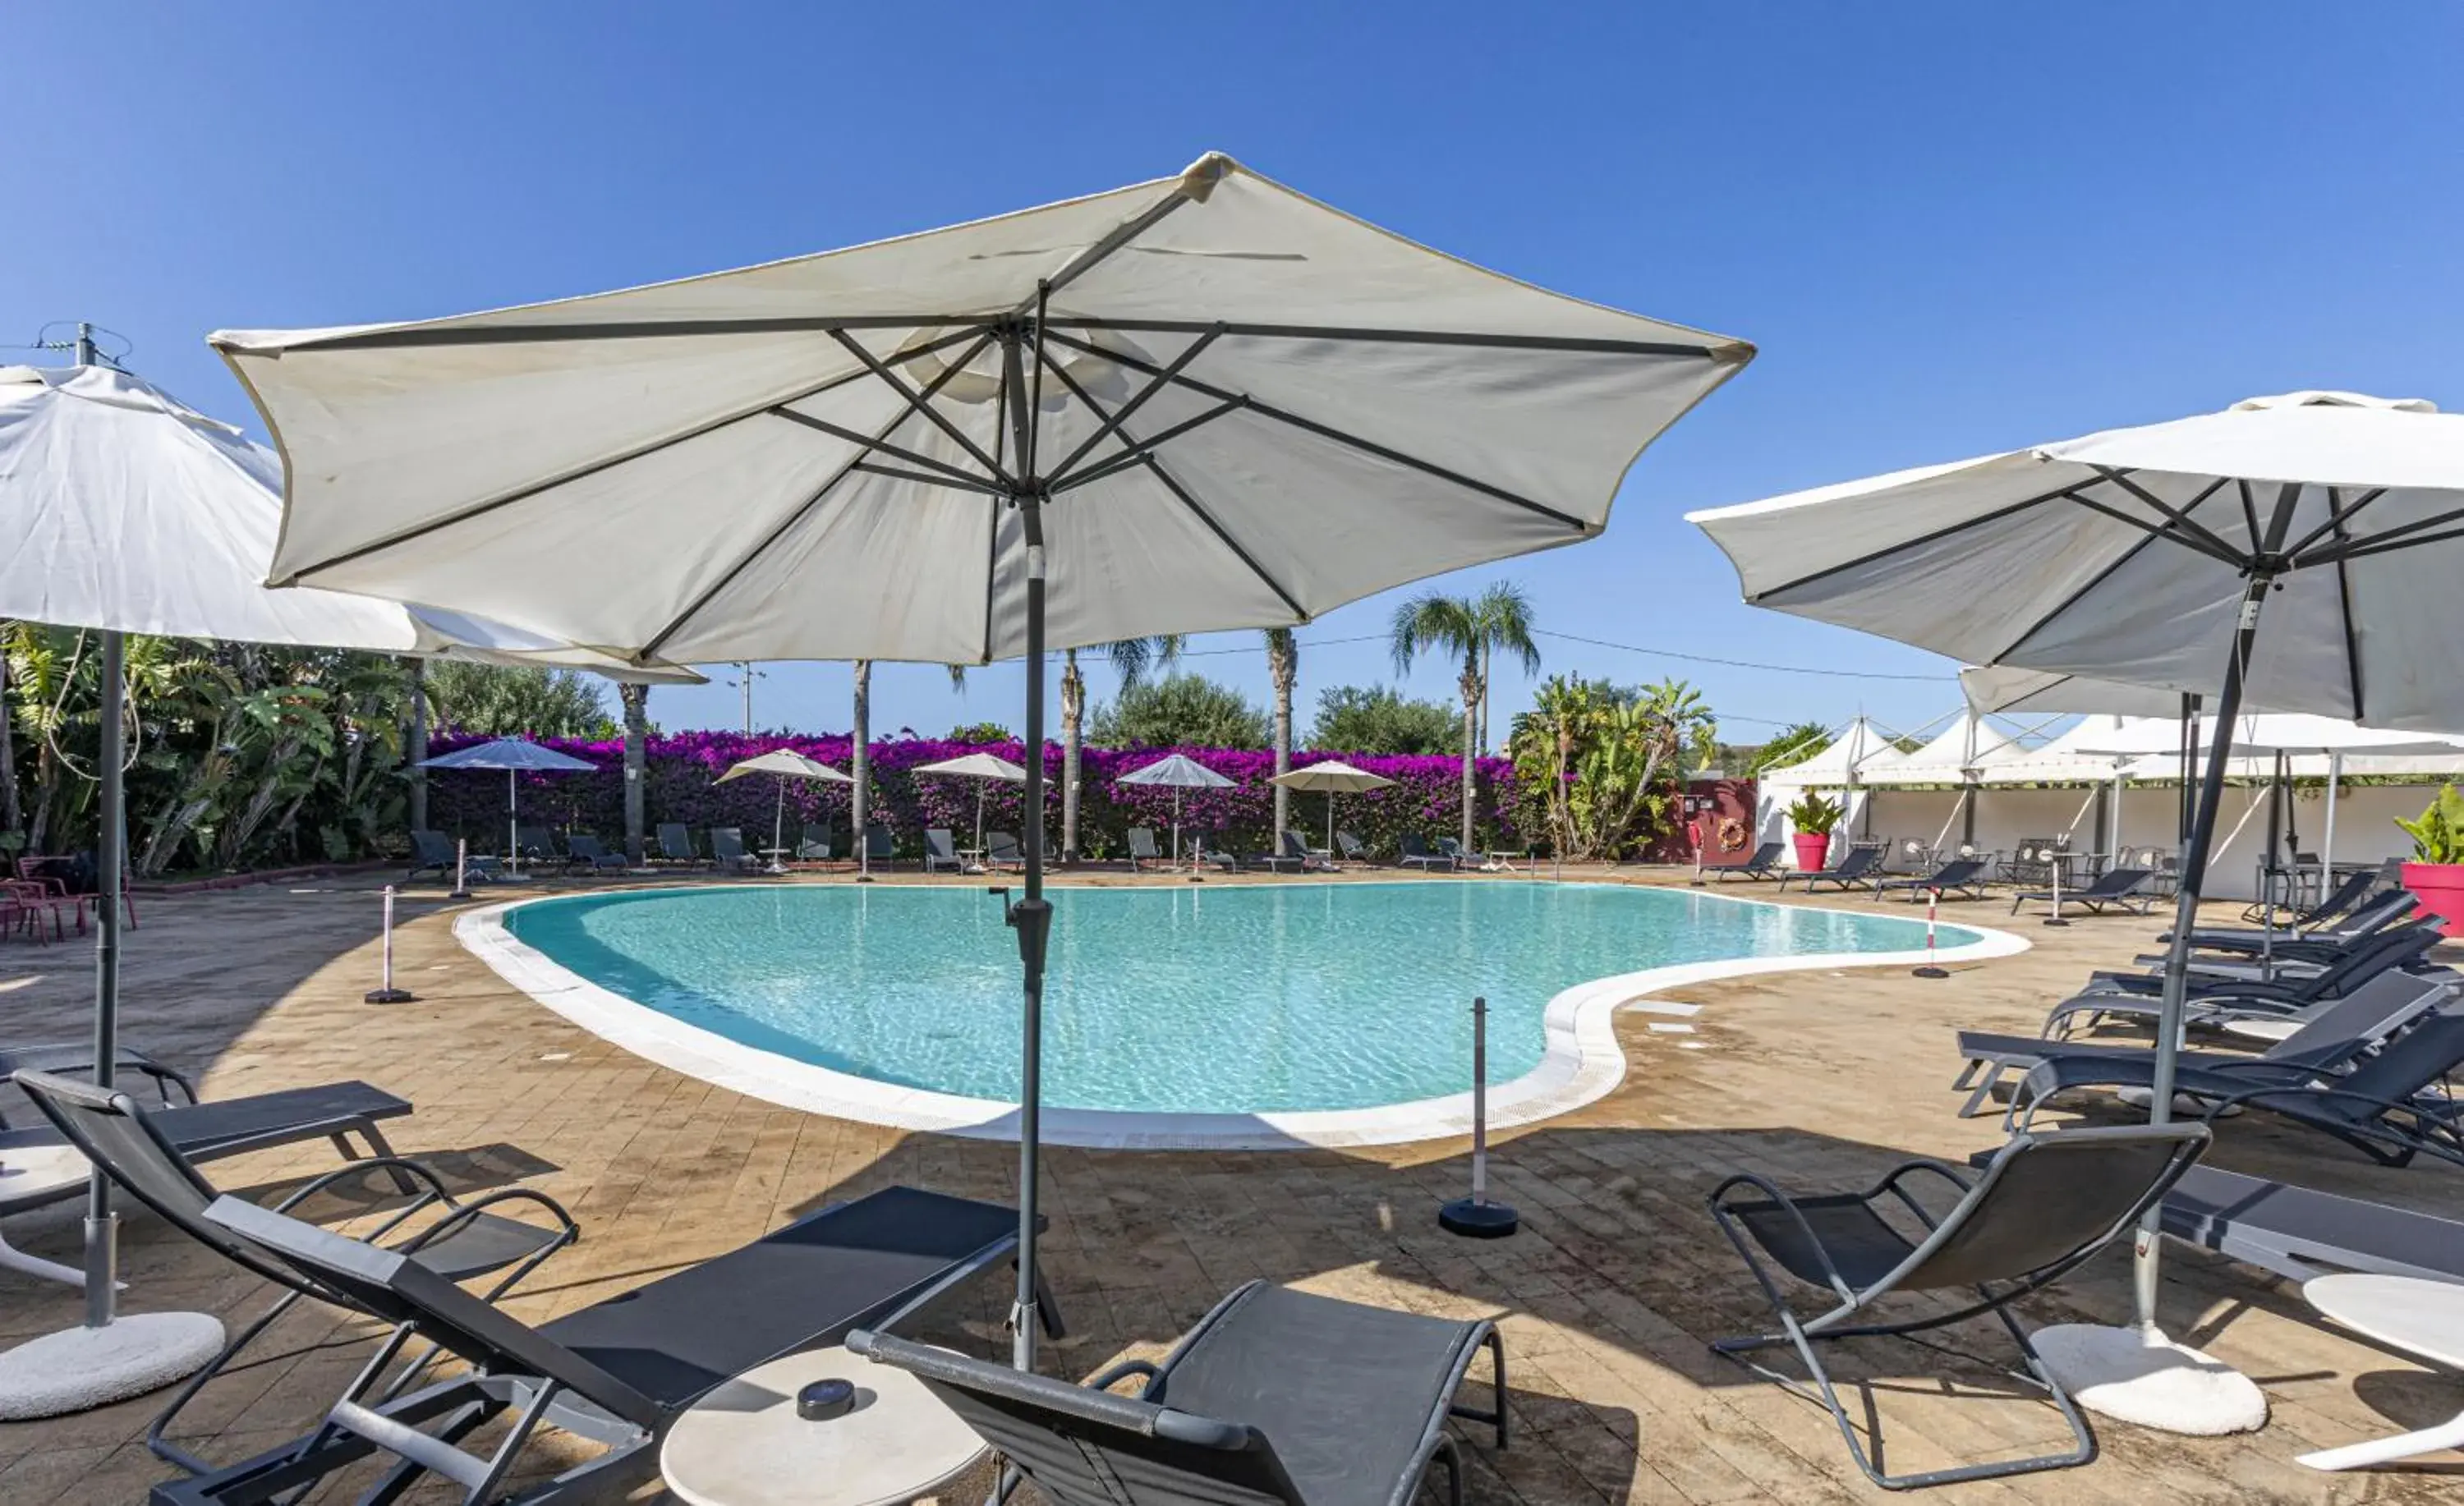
x: 435, y: 852
x: 941, y: 851
x: 2329, y: 1038
x: 619, y: 1372
x: 2361, y: 924
x: 586, y: 851
x: 1001, y: 851
x: 1763, y: 865
x: 1352, y: 849
x: 536, y: 845
x: 879, y: 845
x: 44, y: 1169
x: 1276, y: 1396
x: 67, y: 1057
x: 1142, y: 848
x: 1964, y: 876
x: 727, y: 850
x: 815, y: 847
x: 1417, y: 854
x: 2298, y: 1233
x: 1293, y: 853
x: 2122, y: 889
x: 458, y: 1240
x: 2222, y: 1000
x: 1861, y: 865
x: 2042, y: 1206
x: 2381, y: 1107
x: 677, y: 846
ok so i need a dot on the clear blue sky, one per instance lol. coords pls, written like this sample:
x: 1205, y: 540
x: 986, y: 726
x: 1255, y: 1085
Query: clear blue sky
x: 1951, y: 228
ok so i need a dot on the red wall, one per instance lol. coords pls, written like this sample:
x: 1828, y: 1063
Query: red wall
x: 1729, y: 800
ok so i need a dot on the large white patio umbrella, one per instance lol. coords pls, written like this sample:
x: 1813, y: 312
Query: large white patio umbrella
x: 516, y: 756
x: 981, y: 767
x: 1334, y: 777
x: 1177, y: 773
x: 787, y: 764
x: 2148, y: 556
x: 1200, y: 403
x: 127, y: 512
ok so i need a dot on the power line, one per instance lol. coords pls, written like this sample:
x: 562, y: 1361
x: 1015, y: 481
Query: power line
x: 1741, y: 663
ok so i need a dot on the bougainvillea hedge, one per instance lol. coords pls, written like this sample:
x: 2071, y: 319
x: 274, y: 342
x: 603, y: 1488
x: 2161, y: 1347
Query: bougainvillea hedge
x: 1425, y: 798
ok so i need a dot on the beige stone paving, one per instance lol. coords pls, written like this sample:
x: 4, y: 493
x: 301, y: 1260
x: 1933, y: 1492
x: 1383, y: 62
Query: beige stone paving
x: 1606, y: 1298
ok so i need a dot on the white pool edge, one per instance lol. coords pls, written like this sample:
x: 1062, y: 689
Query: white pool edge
x: 1580, y: 1063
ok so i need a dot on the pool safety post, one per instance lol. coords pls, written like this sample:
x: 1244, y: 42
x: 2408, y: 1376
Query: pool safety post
x: 1475, y: 1217
x: 1931, y: 969
x: 388, y: 993
x: 461, y: 868
x: 2054, y: 865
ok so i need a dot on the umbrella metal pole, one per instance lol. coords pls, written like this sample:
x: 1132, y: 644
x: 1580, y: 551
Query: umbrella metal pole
x: 2146, y: 1258
x: 101, y: 1224
x: 513, y: 825
x: 1031, y: 915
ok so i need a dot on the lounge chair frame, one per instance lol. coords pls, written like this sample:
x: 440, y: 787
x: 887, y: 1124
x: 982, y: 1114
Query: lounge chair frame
x: 2126, y: 889
x: 1943, y: 1258
x: 1962, y: 876
x: 1230, y: 1458
x: 514, y: 1367
x: 1762, y: 863
x: 1860, y: 865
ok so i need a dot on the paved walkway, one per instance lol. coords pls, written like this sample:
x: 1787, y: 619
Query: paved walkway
x: 1606, y: 1298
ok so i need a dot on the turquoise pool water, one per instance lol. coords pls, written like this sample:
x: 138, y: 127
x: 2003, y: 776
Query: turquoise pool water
x: 1247, y: 999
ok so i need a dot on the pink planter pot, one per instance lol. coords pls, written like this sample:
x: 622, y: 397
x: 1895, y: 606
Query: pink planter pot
x: 2439, y: 887
x: 1812, y: 848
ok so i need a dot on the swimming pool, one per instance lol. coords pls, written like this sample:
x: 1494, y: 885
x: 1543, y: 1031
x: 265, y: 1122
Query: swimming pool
x: 1298, y: 1000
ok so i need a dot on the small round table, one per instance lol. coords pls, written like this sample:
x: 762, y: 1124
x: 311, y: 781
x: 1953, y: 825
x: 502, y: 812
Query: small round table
x: 743, y: 1445
x: 2419, y: 1316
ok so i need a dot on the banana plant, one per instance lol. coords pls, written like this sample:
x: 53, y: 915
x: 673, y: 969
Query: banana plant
x: 2438, y: 835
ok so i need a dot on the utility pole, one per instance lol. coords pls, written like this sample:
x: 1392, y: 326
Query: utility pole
x: 745, y: 675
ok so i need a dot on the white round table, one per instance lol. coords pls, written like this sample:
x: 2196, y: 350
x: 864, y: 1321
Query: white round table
x: 743, y: 1445
x: 2419, y: 1316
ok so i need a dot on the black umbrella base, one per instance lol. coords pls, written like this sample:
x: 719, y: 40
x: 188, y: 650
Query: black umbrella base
x: 1477, y: 1220
x: 389, y: 996
x: 1930, y: 973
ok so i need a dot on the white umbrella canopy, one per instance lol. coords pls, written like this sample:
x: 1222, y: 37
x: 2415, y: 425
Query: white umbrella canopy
x: 2000, y: 688
x: 1200, y: 403
x: 516, y: 756
x: 2128, y: 556
x: 129, y: 511
x: 1177, y: 773
x: 1334, y: 777
x: 981, y: 767
x: 787, y: 764
x: 2149, y: 557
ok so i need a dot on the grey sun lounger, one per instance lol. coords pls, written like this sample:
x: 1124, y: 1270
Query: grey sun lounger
x: 2381, y: 1107
x: 1965, y: 876
x: 1352, y: 849
x: 2299, y: 1233
x: 676, y: 846
x: 207, y: 1132
x: 727, y: 850
x: 2120, y: 889
x: 815, y: 847
x: 77, y: 1057
x: 1417, y: 853
x: 1763, y: 865
x: 2330, y: 1037
x: 879, y: 845
x: 619, y: 1372
x: 941, y: 851
x: 435, y: 852
x: 1276, y: 1396
x: 1142, y: 848
x: 2225, y: 999
x: 538, y: 844
x: 2042, y: 1206
x: 2372, y: 918
x: 1860, y: 865
x: 1001, y: 850
x: 458, y: 1240
x: 585, y: 851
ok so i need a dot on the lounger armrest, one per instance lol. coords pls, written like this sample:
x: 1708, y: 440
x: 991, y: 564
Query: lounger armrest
x: 1950, y: 1173
x: 2365, y: 1128
x: 464, y: 1214
x: 1122, y: 1372
x: 1781, y: 1200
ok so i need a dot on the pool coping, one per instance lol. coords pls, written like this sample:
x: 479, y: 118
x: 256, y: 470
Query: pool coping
x: 1580, y: 1062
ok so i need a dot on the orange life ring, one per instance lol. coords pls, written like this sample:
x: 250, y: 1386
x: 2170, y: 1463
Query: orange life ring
x: 1732, y: 834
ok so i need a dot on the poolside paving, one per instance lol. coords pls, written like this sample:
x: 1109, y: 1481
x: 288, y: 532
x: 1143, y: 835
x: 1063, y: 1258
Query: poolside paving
x: 1606, y: 1298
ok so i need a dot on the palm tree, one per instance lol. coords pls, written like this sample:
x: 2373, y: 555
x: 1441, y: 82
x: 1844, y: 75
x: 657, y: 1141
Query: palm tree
x: 637, y: 760
x: 1284, y: 669
x: 1133, y: 659
x: 1499, y: 620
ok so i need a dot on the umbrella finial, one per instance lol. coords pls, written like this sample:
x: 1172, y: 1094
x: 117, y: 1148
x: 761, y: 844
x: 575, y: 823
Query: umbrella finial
x: 1199, y: 178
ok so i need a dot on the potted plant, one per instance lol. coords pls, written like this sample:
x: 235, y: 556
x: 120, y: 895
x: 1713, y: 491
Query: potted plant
x: 1814, y: 819
x: 2436, y: 874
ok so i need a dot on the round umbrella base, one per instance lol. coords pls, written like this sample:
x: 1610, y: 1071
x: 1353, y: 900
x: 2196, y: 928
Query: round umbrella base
x: 1477, y: 1220
x: 2057, y: 923
x: 1929, y: 973
x: 2141, y: 1376
x: 389, y: 997
x: 80, y: 1368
